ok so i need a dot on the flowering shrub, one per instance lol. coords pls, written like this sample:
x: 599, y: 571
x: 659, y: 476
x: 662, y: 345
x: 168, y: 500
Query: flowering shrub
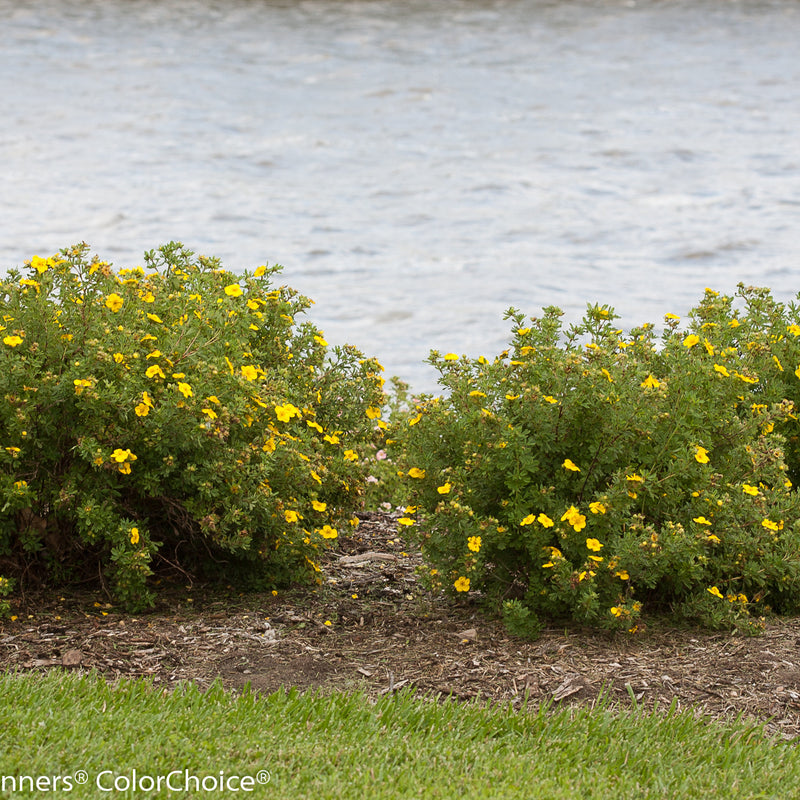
x: 591, y: 475
x: 177, y: 413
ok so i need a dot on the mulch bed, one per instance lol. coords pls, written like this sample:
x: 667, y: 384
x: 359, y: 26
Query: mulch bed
x: 386, y: 633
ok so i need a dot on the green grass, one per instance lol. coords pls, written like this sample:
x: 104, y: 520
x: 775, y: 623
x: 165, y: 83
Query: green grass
x: 344, y: 746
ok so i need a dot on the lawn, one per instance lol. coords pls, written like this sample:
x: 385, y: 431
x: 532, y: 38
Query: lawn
x: 130, y: 737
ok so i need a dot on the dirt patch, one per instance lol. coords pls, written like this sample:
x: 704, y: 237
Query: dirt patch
x: 370, y: 626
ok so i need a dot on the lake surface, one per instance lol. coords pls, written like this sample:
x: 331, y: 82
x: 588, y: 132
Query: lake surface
x: 417, y: 167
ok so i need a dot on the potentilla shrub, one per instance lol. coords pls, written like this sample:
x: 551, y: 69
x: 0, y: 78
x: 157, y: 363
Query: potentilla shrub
x: 591, y: 475
x: 173, y: 414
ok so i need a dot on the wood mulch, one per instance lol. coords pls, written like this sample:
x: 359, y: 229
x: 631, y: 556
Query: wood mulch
x: 371, y: 627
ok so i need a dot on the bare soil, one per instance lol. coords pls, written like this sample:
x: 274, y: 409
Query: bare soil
x: 371, y: 627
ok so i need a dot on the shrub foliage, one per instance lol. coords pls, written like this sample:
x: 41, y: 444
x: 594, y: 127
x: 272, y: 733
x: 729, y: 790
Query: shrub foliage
x: 175, y: 413
x: 588, y: 474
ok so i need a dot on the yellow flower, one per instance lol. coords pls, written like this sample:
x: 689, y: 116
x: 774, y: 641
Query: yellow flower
x: 415, y: 420
x: 290, y: 516
x: 81, y: 384
x: 326, y: 532
x: 462, y: 584
x: 119, y: 455
x: 40, y: 264
x: 114, y: 302
x: 597, y: 508
x: 593, y: 544
x: 29, y: 282
x: 134, y: 536
x: 607, y: 374
x: 260, y: 271
x: 233, y: 290
x: 373, y: 412
x: 716, y: 592
x: 185, y: 389
x: 285, y: 412
x: 529, y: 520
x: 691, y: 340
x: 671, y: 316
x: 701, y: 520
x: 154, y: 370
x: 209, y: 412
x: 712, y: 538
x: 650, y: 383
x: 549, y: 399
x: 317, y: 505
x: 350, y: 455
x: 616, y: 611
x: 119, y: 358
x: 249, y: 372
x: 570, y: 465
x: 474, y: 543
x: 451, y: 357
x: 701, y: 455
x: 634, y: 478
x: 147, y: 400
x: 406, y: 521
x: 722, y: 371
x: 331, y: 438
x: 575, y: 518
x: 445, y: 488
x: 142, y: 410
x: 544, y: 520
x: 12, y: 341
x: 751, y: 490
x: 623, y: 575
x: 772, y: 526
x: 155, y: 318
x: 416, y: 472
x: 778, y: 363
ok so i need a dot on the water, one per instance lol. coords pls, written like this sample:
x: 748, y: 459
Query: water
x: 417, y: 167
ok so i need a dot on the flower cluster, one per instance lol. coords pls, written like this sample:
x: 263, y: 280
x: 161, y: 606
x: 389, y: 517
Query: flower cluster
x: 175, y: 406
x: 606, y: 473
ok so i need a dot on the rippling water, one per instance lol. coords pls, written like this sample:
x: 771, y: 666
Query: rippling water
x: 417, y: 167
